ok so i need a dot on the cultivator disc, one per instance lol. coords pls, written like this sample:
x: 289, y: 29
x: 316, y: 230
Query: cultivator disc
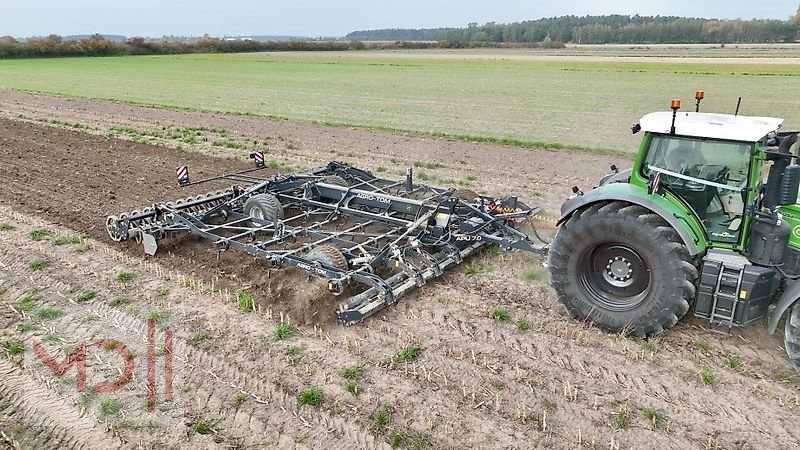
x: 134, y: 224
x: 339, y: 223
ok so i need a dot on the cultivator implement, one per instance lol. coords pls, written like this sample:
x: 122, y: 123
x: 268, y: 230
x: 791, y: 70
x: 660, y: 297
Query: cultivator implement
x: 374, y: 238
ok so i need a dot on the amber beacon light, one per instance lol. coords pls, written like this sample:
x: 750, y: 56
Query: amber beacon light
x: 699, y: 96
x: 676, y: 105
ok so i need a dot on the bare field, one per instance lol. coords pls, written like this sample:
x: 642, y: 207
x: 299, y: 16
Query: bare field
x: 436, y: 371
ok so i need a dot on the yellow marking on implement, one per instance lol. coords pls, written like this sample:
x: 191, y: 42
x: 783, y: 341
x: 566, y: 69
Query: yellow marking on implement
x: 545, y: 219
x: 507, y: 210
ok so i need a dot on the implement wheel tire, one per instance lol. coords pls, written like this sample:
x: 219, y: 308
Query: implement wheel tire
x: 264, y: 209
x: 622, y: 267
x: 792, y: 336
x: 467, y: 195
x: 335, y: 179
x: 328, y: 255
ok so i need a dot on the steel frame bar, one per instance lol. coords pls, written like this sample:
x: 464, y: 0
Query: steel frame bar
x: 409, y: 233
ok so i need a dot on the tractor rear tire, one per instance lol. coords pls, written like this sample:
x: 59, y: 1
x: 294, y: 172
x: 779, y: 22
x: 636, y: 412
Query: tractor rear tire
x: 264, y: 209
x: 328, y: 255
x: 623, y: 268
x: 792, y: 336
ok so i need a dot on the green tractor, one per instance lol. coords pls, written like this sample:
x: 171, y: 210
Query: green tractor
x: 707, y: 219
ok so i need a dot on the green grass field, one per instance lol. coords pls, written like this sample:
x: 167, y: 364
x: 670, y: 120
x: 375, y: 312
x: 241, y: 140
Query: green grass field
x: 576, y: 103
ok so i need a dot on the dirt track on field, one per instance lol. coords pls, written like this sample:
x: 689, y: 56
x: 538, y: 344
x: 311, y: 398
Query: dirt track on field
x: 479, y: 382
x: 522, y: 55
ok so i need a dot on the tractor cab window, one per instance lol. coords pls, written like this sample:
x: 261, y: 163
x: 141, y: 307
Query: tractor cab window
x: 709, y: 175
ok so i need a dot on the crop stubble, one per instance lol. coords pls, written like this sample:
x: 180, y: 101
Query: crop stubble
x: 478, y: 383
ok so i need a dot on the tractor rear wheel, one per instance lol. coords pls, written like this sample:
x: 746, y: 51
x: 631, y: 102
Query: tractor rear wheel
x: 328, y: 255
x: 622, y: 267
x: 264, y: 209
x: 792, y: 336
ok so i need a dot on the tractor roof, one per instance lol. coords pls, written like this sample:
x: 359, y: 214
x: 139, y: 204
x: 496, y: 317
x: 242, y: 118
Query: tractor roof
x: 716, y: 126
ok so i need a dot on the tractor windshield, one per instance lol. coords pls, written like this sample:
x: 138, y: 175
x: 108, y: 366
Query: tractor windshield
x: 710, y: 175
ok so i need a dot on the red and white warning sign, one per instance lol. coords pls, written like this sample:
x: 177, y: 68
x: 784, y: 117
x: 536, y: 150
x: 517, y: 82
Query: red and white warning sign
x: 259, y: 158
x: 182, y: 173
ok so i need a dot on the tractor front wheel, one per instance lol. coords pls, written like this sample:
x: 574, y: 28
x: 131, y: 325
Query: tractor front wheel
x: 623, y: 268
x: 792, y: 336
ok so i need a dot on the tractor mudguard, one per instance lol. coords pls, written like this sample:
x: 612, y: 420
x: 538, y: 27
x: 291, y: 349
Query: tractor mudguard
x: 601, y: 194
x: 789, y: 296
x: 621, y: 177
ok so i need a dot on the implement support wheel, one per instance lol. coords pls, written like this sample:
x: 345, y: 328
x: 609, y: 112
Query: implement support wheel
x: 264, y: 209
x: 328, y: 255
x: 335, y: 179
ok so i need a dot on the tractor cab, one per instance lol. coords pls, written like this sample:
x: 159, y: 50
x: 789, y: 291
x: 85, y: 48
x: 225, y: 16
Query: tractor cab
x: 710, y: 176
x: 711, y: 163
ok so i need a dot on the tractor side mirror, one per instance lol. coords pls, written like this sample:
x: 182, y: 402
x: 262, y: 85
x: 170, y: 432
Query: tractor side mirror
x: 790, y: 183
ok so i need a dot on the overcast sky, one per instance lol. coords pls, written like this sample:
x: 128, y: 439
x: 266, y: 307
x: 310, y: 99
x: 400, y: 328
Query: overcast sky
x: 155, y: 18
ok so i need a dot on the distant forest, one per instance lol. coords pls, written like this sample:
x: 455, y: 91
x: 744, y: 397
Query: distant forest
x: 613, y: 29
x: 547, y: 33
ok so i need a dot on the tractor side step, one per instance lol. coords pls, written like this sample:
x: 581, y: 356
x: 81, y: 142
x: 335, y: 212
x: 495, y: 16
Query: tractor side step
x: 733, y: 292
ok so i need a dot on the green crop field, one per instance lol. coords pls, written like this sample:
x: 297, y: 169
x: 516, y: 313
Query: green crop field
x: 586, y: 104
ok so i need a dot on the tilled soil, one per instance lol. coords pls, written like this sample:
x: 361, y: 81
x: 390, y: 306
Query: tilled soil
x: 478, y: 382
x: 541, y: 177
x: 75, y: 178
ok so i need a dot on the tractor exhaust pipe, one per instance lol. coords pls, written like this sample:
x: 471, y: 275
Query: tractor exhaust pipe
x: 781, y: 159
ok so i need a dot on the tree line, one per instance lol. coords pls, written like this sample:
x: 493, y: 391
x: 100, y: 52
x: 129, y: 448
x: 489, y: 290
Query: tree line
x: 96, y: 45
x: 549, y: 32
x: 611, y: 29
